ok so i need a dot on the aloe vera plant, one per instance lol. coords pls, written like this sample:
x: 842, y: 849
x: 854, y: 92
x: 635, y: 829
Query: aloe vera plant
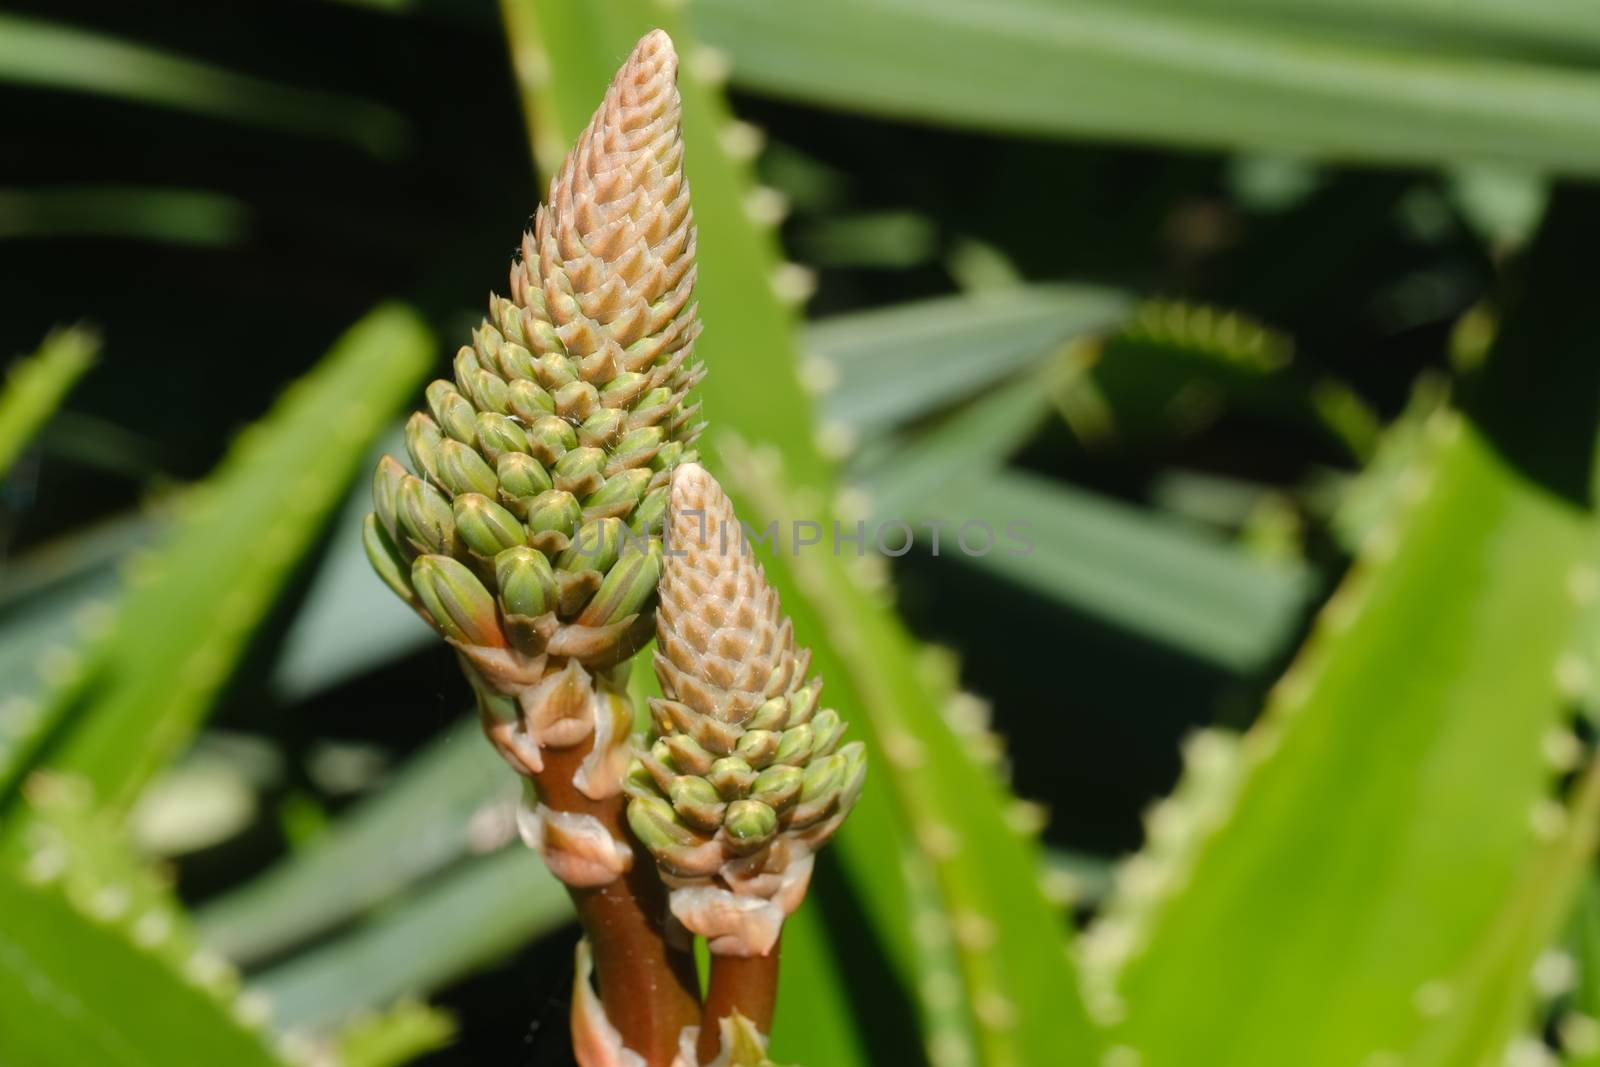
x: 551, y: 473
x: 1151, y: 280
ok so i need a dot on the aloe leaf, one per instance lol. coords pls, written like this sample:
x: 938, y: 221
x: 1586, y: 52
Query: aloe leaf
x: 175, y: 216
x: 348, y: 623
x: 1141, y: 73
x: 35, y: 387
x: 192, y: 606
x: 1386, y: 781
x: 1490, y: 1000
x: 1015, y: 983
x: 397, y: 1035
x: 100, y: 965
x: 886, y: 366
x: 56, y: 56
x: 419, y: 824
x: 1566, y: 25
x: 1164, y: 580
x: 467, y: 918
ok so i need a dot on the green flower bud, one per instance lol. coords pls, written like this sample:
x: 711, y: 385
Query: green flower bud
x: 486, y: 341
x: 542, y: 337
x: 823, y: 778
x: 581, y: 471
x: 778, y: 787
x: 454, y: 414
x: 637, y: 446
x: 516, y: 362
x: 550, y: 438
x: 669, y: 455
x: 650, y: 514
x: 803, y: 702
x: 732, y: 776
x: 854, y: 756
x: 486, y: 527
x: 527, y: 586
x: 576, y: 400
x: 508, y: 317
x: 528, y: 402
x: 422, y: 443
x: 498, y: 435
x: 795, y: 748
x: 688, y: 757
x: 425, y: 517
x: 462, y: 470
x: 771, y: 715
x: 386, y: 483
x: 750, y: 824
x: 626, y: 384
x: 658, y: 827
x: 553, y: 512
x: 826, y: 728
x: 555, y: 370
x: 466, y: 363
x: 521, y: 478
x: 461, y: 607
x: 620, y: 493
x: 385, y: 557
x: 603, y: 428
x: 697, y: 802
x: 595, y: 547
x: 757, y: 747
x: 489, y: 391
x: 628, y: 586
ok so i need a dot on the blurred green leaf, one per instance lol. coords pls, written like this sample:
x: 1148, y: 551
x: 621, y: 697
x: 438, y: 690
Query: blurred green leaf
x: 349, y: 622
x: 35, y: 387
x: 417, y: 825
x: 1565, y: 25
x: 56, y: 56
x: 1163, y: 580
x: 1016, y: 980
x: 74, y: 991
x: 395, y: 1036
x: 100, y: 965
x: 1490, y: 1000
x: 1373, y: 826
x: 1145, y: 73
x: 192, y: 606
x: 469, y: 917
x: 889, y: 365
x: 178, y: 216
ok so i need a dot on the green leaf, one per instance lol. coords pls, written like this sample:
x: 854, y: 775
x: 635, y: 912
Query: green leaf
x: 419, y: 824
x: 193, y: 605
x: 1142, y: 73
x: 1490, y: 1000
x: 56, y: 56
x: 1369, y: 831
x: 394, y: 1037
x: 890, y: 365
x: 35, y: 387
x: 97, y: 962
x: 1014, y: 989
x: 470, y: 917
x: 74, y: 992
x: 1130, y: 567
x: 176, y: 216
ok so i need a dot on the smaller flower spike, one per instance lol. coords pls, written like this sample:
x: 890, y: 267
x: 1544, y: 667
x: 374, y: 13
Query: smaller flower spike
x: 745, y: 778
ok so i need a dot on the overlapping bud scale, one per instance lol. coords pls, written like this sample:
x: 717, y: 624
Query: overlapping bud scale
x: 746, y: 776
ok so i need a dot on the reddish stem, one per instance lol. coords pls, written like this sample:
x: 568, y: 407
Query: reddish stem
x: 747, y: 984
x: 649, y: 989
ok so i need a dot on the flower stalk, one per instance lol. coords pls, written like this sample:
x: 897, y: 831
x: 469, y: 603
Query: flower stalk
x: 538, y: 529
